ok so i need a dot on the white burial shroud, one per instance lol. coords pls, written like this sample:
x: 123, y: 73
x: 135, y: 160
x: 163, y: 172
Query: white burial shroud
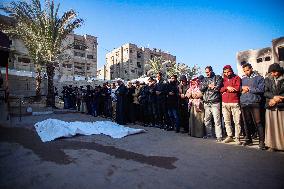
x: 51, y: 129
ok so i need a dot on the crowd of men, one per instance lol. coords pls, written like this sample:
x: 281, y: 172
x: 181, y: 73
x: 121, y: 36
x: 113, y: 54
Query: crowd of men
x: 226, y: 107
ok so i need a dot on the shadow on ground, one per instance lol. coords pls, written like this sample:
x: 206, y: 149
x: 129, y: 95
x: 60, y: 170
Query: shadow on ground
x: 53, y: 151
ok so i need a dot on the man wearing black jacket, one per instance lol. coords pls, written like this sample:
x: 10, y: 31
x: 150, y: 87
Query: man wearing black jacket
x: 210, y: 89
x: 172, y: 103
x: 121, y: 93
x: 161, y: 89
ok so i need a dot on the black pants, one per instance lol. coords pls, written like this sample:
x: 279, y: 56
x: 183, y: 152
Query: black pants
x: 184, y: 117
x: 144, y: 113
x: 252, y: 118
x: 161, y: 112
x: 152, y: 113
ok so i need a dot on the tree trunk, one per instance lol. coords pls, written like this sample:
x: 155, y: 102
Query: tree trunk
x: 38, y: 85
x: 50, y: 98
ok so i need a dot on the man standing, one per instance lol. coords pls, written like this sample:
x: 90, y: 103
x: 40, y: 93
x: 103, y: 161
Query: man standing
x: 161, y: 90
x: 210, y: 88
x: 152, y: 101
x: 172, y: 104
x: 129, y: 104
x: 231, y: 103
x: 251, y: 97
x: 121, y: 93
x: 106, y: 96
x: 136, y: 105
x: 143, y: 99
x: 183, y: 104
x: 113, y: 100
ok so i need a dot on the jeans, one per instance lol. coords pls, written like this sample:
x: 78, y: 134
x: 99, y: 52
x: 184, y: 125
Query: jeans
x: 173, y: 115
x: 66, y: 102
x: 213, y: 110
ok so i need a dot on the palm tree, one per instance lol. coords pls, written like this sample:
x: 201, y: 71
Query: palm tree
x: 192, y: 71
x: 153, y: 66
x: 42, y: 31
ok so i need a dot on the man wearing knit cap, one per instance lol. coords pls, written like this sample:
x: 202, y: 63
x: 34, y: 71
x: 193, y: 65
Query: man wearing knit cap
x: 274, y: 94
x: 231, y: 103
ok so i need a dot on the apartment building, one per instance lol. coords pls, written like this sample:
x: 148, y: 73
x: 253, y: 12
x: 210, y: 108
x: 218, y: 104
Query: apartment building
x: 78, y: 60
x: 127, y: 61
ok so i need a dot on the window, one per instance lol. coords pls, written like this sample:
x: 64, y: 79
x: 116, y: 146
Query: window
x: 139, y: 65
x: 89, y: 56
x: 281, y: 53
x: 24, y: 60
x: 259, y: 60
x: 267, y: 58
x: 67, y: 65
x: 78, y: 67
x: 79, y: 54
x: 125, y: 71
x: 131, y: 51
x: 133, y: 71
x: 138, y: 54
x: 79, y: 47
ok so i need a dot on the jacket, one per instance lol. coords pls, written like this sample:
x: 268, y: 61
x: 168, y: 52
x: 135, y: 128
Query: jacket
x: 172, y: 100
x: 182, y: 90
x: 272, y: 89
x: 143, y: 95
x: 231, y: 97
x: 161, y: 86
x: 211, y: 95
x: 255, y: 82
x: 136, y: 94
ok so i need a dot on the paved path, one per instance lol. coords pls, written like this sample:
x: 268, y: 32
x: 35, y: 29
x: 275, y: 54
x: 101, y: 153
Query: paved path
x: 156, y: 159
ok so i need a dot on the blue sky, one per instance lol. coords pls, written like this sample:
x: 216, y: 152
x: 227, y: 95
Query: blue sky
x: 195, y: 31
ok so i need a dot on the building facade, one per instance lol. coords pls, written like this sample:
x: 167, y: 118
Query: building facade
x: 80, y: 59
x: 261, y: 59
x: 128, y: 61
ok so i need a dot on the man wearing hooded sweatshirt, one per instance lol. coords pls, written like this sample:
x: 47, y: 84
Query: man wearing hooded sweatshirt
x: 210, y: 89
x: 231, y: 103
x: 252, y: 90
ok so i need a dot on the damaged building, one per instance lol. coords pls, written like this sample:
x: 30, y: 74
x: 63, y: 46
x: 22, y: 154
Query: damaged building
x: 261, y: 59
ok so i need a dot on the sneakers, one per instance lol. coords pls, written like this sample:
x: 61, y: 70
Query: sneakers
x: 219, y: 140
x: 228, y: 139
